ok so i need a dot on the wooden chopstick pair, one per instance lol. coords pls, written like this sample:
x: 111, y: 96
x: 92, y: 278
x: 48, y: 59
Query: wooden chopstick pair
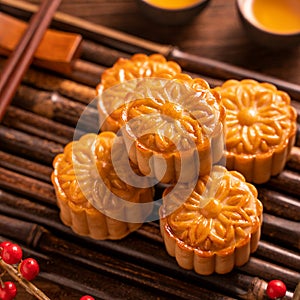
x: 21, y: 58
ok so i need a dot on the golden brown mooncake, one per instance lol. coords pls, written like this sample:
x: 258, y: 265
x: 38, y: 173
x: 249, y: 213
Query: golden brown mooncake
x: 261, y: 128
x: 174, y: 130
x: 216, y: 228
x: 138, y: 66
x: 88, y: 188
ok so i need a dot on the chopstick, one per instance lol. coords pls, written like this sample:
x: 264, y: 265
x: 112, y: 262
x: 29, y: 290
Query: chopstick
x: 21, y: 58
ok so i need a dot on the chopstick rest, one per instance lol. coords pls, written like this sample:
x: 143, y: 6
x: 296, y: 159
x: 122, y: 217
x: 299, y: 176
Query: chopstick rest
x: 57, y: 50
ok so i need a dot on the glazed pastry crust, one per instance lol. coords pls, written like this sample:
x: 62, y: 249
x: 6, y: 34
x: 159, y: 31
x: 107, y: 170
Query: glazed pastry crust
x: 87, y: 159
x: 261, y: 128
x: 216, y: 231
x: 185, y: 126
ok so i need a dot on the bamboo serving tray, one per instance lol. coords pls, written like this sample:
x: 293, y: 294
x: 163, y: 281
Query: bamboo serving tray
x: 37, y: 125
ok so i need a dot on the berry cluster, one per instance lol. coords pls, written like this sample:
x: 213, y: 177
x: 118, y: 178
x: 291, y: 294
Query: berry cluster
x: 22, y: 270
x: 28, y: 268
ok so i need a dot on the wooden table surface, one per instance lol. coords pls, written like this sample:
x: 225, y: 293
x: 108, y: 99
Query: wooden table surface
x: 215, y: 33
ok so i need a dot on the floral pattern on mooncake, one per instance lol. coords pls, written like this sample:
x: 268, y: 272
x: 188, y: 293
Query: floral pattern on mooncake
x: 174, y: 129
x: 261, y: 128
x: 218, y: 225
x: 88, y: 189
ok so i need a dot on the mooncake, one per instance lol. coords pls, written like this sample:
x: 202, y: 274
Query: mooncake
x: 216, y: 227
x: 90, y: 193
x: 173, y: 130
x: 138, y: 66
x: 261, y: 128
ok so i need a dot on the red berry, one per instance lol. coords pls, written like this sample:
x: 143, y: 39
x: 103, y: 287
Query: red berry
x: 87, y: 297
x: 9, y: 291
x: 12, y: 254
x: 276, y: 289
x: 29, y: 268
x: 3, y: 245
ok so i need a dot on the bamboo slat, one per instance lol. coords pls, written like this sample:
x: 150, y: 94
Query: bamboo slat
x: 44, y: 241
x: 25, y: 167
